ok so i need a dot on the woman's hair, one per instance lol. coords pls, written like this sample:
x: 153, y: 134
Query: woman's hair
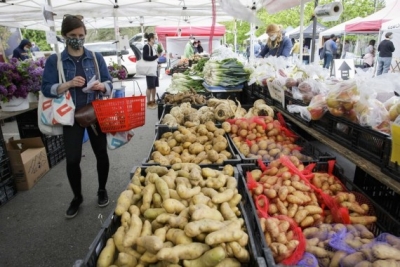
x: 372, y: 42
x: 274, y: 28
x: 71, y: 23
x: 148, y: 36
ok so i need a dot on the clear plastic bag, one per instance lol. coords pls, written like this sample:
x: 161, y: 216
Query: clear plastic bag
x: 342, y: 97
x: 391, y: 102
x: 310, y: 87
x: 372, y: 113
x: 315, y: 110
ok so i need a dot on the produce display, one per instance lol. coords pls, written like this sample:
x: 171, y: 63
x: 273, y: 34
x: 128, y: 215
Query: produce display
x: 199, y: 144
x: 217, y: 110
x: 262, y: 137
x: 227, y: 72
x: 181, y: 216
x: 190, y: 96
x: 182, y: 82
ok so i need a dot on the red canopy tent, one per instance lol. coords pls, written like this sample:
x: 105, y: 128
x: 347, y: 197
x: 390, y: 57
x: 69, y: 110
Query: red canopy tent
x: 373, y: 22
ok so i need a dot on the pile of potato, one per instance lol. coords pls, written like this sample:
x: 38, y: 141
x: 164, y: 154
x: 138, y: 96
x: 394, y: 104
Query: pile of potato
x: 201, y: 144
x: 262, y: 137
x: 182, y: 216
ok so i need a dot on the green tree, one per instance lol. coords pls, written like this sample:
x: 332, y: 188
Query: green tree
x: 4, y: 35
x: 38, y: 37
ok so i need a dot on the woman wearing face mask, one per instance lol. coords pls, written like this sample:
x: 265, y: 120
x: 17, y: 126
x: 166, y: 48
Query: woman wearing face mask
x: 277, y: 44
x: 79, y: 67
x: 22, y: 51
x: 149, y: 54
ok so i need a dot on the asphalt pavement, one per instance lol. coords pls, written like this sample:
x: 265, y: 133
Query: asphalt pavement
x: 33, y: 229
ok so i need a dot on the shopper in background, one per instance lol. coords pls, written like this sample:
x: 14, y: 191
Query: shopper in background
x: 339, y: 50
x: 369, y: 54
x: 195, y: 45
x: 328, y: 50
x: 79, y: 67
x: 152, y: 81
x: 385, y: 49
x: 199, y: 47
x: 22, y: 51
x: 34, y: 48
x: 346, y: 48
x: 277, y: 44
x: 189, y: 49
x: 295, y: 51
x: 370, y: 48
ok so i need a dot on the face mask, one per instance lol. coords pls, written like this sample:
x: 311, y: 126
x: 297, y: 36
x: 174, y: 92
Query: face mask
x: 273, y: 37
x: 391, y: 37
x: 156, y: 41
x: 75, y: 43
x: 192, y: 41
x: 26, y: 49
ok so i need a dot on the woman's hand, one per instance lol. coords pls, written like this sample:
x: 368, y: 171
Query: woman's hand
x: 77, y: 81
x: 98, y: 86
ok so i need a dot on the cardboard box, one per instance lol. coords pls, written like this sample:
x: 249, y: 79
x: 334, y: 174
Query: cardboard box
x: 28, y: 160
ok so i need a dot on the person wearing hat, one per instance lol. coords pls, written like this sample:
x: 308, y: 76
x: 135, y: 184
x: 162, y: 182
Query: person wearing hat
x: 22, y: 51
x: 189, y: 48
x: 277, y: 44
x: 385, y: 49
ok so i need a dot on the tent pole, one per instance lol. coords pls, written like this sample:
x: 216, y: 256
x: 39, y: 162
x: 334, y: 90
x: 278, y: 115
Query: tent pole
x: 116, y: 28
x: 301, y: 29
x: 314, y: 32
x: 235, y: 37
x: 251, y: 42
x: 53, y: 29
x: 377, y: 54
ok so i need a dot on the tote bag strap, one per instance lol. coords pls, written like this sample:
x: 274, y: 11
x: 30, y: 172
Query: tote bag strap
x: 97, y: 71
x: 60, y: 68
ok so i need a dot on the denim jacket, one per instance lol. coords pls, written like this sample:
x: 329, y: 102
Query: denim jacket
x: 50, y: 81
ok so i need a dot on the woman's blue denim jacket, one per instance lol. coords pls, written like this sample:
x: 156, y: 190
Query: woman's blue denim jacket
x: 50, y: 80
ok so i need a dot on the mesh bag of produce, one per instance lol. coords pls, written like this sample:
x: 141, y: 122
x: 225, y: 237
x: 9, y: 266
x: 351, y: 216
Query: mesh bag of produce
x: 340, y: 214
x: 308, y: 260
x: 284, y: 237
x: 338, y: 241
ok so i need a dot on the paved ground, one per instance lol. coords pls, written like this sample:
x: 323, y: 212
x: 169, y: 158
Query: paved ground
x: 33, y: 229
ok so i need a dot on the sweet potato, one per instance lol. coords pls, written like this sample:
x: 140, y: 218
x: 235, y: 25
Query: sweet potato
x: 182, y: 252
x: 352, y: 259
x: 385, y: 252
x: 106, y: 257
x: 123, y: 202
x: 125, y: 259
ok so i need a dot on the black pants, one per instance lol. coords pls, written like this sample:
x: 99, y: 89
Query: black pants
x: 73, y: 138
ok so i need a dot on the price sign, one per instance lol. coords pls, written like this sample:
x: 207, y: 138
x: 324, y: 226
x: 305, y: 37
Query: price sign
x: 51, y: 37
x: 277, y: 91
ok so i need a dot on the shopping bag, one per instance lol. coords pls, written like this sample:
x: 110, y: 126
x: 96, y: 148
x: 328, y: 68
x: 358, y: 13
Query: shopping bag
x: 46, y: 129
x: 147, y: 68
x: 116, y: 140
x: 58, y: 111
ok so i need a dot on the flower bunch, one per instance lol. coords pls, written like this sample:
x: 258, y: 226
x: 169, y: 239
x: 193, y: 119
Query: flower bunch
x: 18, y: 78
x: 117, y: 71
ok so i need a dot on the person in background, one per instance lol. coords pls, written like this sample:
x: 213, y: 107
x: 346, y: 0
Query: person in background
x: 34, y: 48
x: 22, y: 51
x: 199, y: 47
x: 370, y: 49
x: 295, y: 51
x: 79, y: 67
x: 328, y: 50
x: 189, y: 49
x: 195, y: 45
x: 261, y: 45
x: 385, y: 49
x: 152, y: 81
x: 339, y: 50
x: 257, y: 49
x: 277, y: 44
x: 346, y: 48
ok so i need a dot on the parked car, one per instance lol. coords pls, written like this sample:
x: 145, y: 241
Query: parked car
x: 109, y: 51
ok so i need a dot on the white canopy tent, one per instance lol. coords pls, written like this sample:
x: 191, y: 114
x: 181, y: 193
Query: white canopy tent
x: 338, y: 29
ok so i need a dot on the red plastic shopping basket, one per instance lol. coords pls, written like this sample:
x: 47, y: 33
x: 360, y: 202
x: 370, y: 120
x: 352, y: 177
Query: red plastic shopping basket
x: 120, y: 114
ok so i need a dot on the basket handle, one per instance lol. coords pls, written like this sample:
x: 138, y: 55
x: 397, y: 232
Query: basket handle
x: 134, y: 87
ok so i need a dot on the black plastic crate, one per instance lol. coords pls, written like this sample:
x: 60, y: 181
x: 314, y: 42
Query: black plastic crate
x: 7, y: 190
x: 30, y: 116
x: 290, y: 100
x: 5, y: 169
x: 56, y: 156
x: 113, y: 222
x: 364, y: 141
x: 248, y: 204
x: 163, y: 129
x: 29, y: 130
x: 308, y: 150
x: 390, y: 168
x: 382, y: 194
x: 53, y: 143
x: 268, y: 100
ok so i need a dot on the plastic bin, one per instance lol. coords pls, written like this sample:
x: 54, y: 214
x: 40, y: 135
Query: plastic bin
x: 113, y: 222
x: 53, y: 143
x: 364, y: 141
x: 163, y: 129
x: 56, y: 156
x: 7, y: 190
x: 5, y: 169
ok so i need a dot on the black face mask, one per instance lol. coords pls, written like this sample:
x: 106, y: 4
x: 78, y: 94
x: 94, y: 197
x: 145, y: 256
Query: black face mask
x: 75, y: 43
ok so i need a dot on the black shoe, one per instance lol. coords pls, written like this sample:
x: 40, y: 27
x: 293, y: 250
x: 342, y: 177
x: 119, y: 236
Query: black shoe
x: 72, y: 211
x: 102, y: 198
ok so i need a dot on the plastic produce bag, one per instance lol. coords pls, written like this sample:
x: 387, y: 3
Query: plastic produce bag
x: 315, y: 110
x: 381, y: 87
x: 372, y: 113
x: 310, y: 87
x: 341, y: 99
x: 391, y: 102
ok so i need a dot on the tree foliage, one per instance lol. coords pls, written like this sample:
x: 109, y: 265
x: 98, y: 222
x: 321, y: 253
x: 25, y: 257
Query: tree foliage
x: 291, y: 17
x: 38, y: 37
